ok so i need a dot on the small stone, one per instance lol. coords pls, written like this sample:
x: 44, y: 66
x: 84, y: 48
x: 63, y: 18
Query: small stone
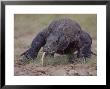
x: 73, y: 72
x: 59, y: 72
x: 83, y: 72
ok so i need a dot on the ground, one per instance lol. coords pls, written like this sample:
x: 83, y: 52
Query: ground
x: 26, y: 28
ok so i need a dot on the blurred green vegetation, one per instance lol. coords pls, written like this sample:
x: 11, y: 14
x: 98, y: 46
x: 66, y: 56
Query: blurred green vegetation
x: 34, y: 23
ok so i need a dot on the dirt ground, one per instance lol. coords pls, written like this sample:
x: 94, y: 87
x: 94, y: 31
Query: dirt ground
x: 54, y: 70
x: 58, y: 66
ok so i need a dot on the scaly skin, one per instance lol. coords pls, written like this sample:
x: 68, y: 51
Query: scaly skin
x: 61, y: 36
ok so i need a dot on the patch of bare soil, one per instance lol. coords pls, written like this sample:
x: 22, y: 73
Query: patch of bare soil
x: 33, y: 69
